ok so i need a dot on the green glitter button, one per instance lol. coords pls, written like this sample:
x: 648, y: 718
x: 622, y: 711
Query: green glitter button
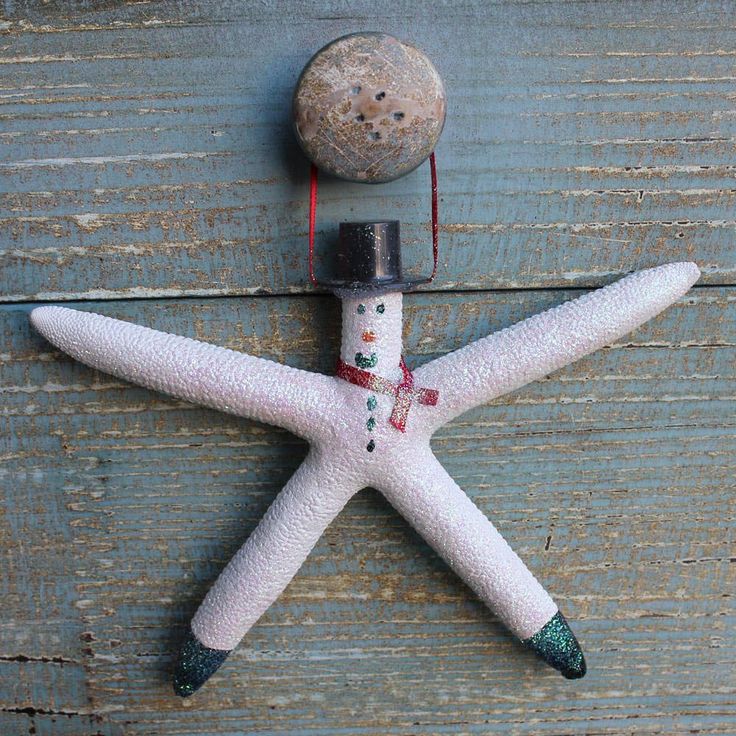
x: 371, y: 424
x: 371, y: 403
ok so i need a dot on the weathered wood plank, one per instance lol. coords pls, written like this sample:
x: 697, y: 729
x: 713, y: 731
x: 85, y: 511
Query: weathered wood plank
x: 146, y: 150
x: 614, y: 479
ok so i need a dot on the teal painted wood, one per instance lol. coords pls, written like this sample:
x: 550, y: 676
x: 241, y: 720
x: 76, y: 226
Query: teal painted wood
x: 614, y: 480
x: 152, y: 155
x: 145, y: 151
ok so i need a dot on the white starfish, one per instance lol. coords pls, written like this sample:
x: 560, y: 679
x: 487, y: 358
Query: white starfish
x: 357, y: 440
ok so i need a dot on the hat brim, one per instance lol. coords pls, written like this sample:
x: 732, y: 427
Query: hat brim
x: 354, y: 288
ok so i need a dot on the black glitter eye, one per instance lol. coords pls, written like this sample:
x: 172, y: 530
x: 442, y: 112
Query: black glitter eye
x: 381, y: 308
x: 361, y: 308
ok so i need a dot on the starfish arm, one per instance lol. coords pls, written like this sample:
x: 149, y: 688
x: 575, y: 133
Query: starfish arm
x: 266, y: 563
x: 531, y: 349
x: 195, y: 371
x: 429, y: 499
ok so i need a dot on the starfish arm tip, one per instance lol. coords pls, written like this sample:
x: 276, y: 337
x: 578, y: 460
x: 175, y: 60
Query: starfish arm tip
x: 44, y: 319
x: 683, y: 273
x: 692, y: 268
x: 556, y: 644
x: 195, y: 665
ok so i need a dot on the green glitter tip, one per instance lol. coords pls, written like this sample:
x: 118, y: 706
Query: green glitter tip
x: 197, y: 663
x: 557, y: 646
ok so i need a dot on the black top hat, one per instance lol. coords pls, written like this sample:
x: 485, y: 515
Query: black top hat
x: 369, y: 259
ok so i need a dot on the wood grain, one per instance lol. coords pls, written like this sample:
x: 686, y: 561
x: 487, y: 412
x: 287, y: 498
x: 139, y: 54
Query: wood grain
x: 148, y: 171
x: 147, y: 148
x: 613, y: 478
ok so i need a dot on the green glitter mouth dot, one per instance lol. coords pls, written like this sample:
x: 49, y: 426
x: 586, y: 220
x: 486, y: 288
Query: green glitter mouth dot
x: 366, y: 361
x: 371, y: 446
x: 381, y: 308
x: 371, y: 424
x: 371, y: 403
x: 361, y: 308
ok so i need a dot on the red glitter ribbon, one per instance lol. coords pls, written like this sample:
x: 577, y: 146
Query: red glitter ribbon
x: 404, y: 392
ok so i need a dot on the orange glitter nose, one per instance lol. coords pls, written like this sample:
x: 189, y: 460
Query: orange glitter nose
x: 369, y: 336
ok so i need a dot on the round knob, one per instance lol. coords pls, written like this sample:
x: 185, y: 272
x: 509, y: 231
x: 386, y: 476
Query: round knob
x: 369, y: 108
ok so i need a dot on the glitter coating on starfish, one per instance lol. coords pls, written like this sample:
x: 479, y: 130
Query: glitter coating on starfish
x: 369, y: 426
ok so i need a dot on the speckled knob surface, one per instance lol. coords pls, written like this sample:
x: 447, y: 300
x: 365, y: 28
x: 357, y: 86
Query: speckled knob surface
x: 369, y: 108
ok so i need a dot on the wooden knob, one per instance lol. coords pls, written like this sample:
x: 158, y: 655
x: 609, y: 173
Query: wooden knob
x: 369, y: 108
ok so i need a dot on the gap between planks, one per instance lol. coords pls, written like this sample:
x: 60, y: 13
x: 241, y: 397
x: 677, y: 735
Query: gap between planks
x: 206, y: 294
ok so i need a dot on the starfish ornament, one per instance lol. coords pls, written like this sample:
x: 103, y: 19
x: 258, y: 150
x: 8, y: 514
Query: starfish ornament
x: 370, y: 425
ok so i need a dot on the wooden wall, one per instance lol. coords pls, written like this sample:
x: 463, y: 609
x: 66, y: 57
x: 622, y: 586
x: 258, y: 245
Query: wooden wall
x: 148, y: 171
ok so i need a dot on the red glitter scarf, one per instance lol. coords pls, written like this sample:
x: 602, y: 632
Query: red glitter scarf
x: 404, y: 392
